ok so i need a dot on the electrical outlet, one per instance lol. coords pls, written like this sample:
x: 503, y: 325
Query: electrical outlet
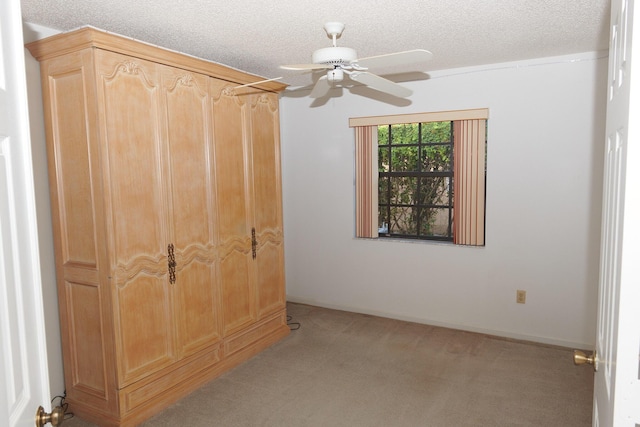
x: 521, y: 296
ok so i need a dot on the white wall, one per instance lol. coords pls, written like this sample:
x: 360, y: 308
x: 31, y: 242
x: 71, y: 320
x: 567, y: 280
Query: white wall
x: 33, y: 32
x: 545, y: 155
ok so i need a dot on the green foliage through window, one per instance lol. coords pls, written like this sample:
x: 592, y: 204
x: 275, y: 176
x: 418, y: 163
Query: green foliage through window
x: 415, y: 180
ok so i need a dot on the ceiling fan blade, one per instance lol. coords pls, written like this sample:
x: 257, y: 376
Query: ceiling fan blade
x: 298, y: 67
x: 321, y: 88
x: 381, y: 84
x: 409, y: 57
x: 258, y: 82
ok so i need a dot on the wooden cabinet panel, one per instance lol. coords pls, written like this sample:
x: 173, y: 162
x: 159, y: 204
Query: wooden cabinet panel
x: 196, y: 300
x: 145, y: 328
x: 237, y: 290
x: 130, y: 122
x: 265, y: 147
x: 130, y: 125
x: 186, y: 103
x: 73, y: 168
x: 232, y: 186
x: 86, y: 335
x: 229, y: 118
x: 270, y: 275
x: 267, y: 203
x: 192, y: 201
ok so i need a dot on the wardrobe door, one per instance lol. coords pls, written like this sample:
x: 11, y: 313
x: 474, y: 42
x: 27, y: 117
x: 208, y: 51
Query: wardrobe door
x: 192, y: 208
x: 232, y: 190
x: 267, y: 203
x: 136, y: 211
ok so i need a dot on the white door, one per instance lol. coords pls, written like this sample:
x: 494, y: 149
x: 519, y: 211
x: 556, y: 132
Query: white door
x: 24, y: 379
x: 617, y: 387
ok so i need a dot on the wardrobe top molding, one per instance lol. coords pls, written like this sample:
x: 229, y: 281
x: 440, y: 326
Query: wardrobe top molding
x: 88, y: 36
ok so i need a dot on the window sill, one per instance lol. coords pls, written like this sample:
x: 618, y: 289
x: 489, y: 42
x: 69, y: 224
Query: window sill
x: 416, y: 241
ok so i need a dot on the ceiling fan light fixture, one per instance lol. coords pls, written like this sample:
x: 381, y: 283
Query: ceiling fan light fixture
x: 336, y: 75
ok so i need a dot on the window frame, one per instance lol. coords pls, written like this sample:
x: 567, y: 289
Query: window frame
x: 469, y: 170
x: 419, y: 174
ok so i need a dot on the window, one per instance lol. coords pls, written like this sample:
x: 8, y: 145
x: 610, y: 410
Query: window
x: 415, y: 180
x: 421, y: 176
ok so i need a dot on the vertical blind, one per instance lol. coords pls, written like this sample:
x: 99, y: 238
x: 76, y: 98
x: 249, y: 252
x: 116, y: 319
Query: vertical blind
x: 468, y: 182
x: 469, y: 138
x: 367, y: 181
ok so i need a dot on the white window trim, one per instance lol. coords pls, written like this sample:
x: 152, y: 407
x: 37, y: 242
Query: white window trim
x: 438, y: 116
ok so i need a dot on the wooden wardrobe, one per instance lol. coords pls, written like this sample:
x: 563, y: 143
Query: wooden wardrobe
x: 167, y: 217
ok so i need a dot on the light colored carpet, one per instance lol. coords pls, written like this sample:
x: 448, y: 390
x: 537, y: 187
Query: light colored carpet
x: 347, y: 369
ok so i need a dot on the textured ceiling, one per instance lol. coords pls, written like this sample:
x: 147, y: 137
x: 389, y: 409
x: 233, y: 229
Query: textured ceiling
x: 258, y: 36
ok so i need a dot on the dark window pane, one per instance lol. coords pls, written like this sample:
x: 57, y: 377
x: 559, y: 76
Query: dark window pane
x: 435, y: 158
x: 402, y: 221
x: 404, y: 133
x: 383, y: 135
x: 383, y: 221
x: 403, y: 190
x: 383, y: 194
x: 383, y: 160
x: 404, y: 159
x: 434, y: 190
x: 435, y: 222
x: 436, y: 132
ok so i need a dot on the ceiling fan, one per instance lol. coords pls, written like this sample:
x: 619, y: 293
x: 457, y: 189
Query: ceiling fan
x: 341, y: 61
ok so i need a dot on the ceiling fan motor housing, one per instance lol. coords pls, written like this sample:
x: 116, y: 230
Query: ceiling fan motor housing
x: 334, y: 56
